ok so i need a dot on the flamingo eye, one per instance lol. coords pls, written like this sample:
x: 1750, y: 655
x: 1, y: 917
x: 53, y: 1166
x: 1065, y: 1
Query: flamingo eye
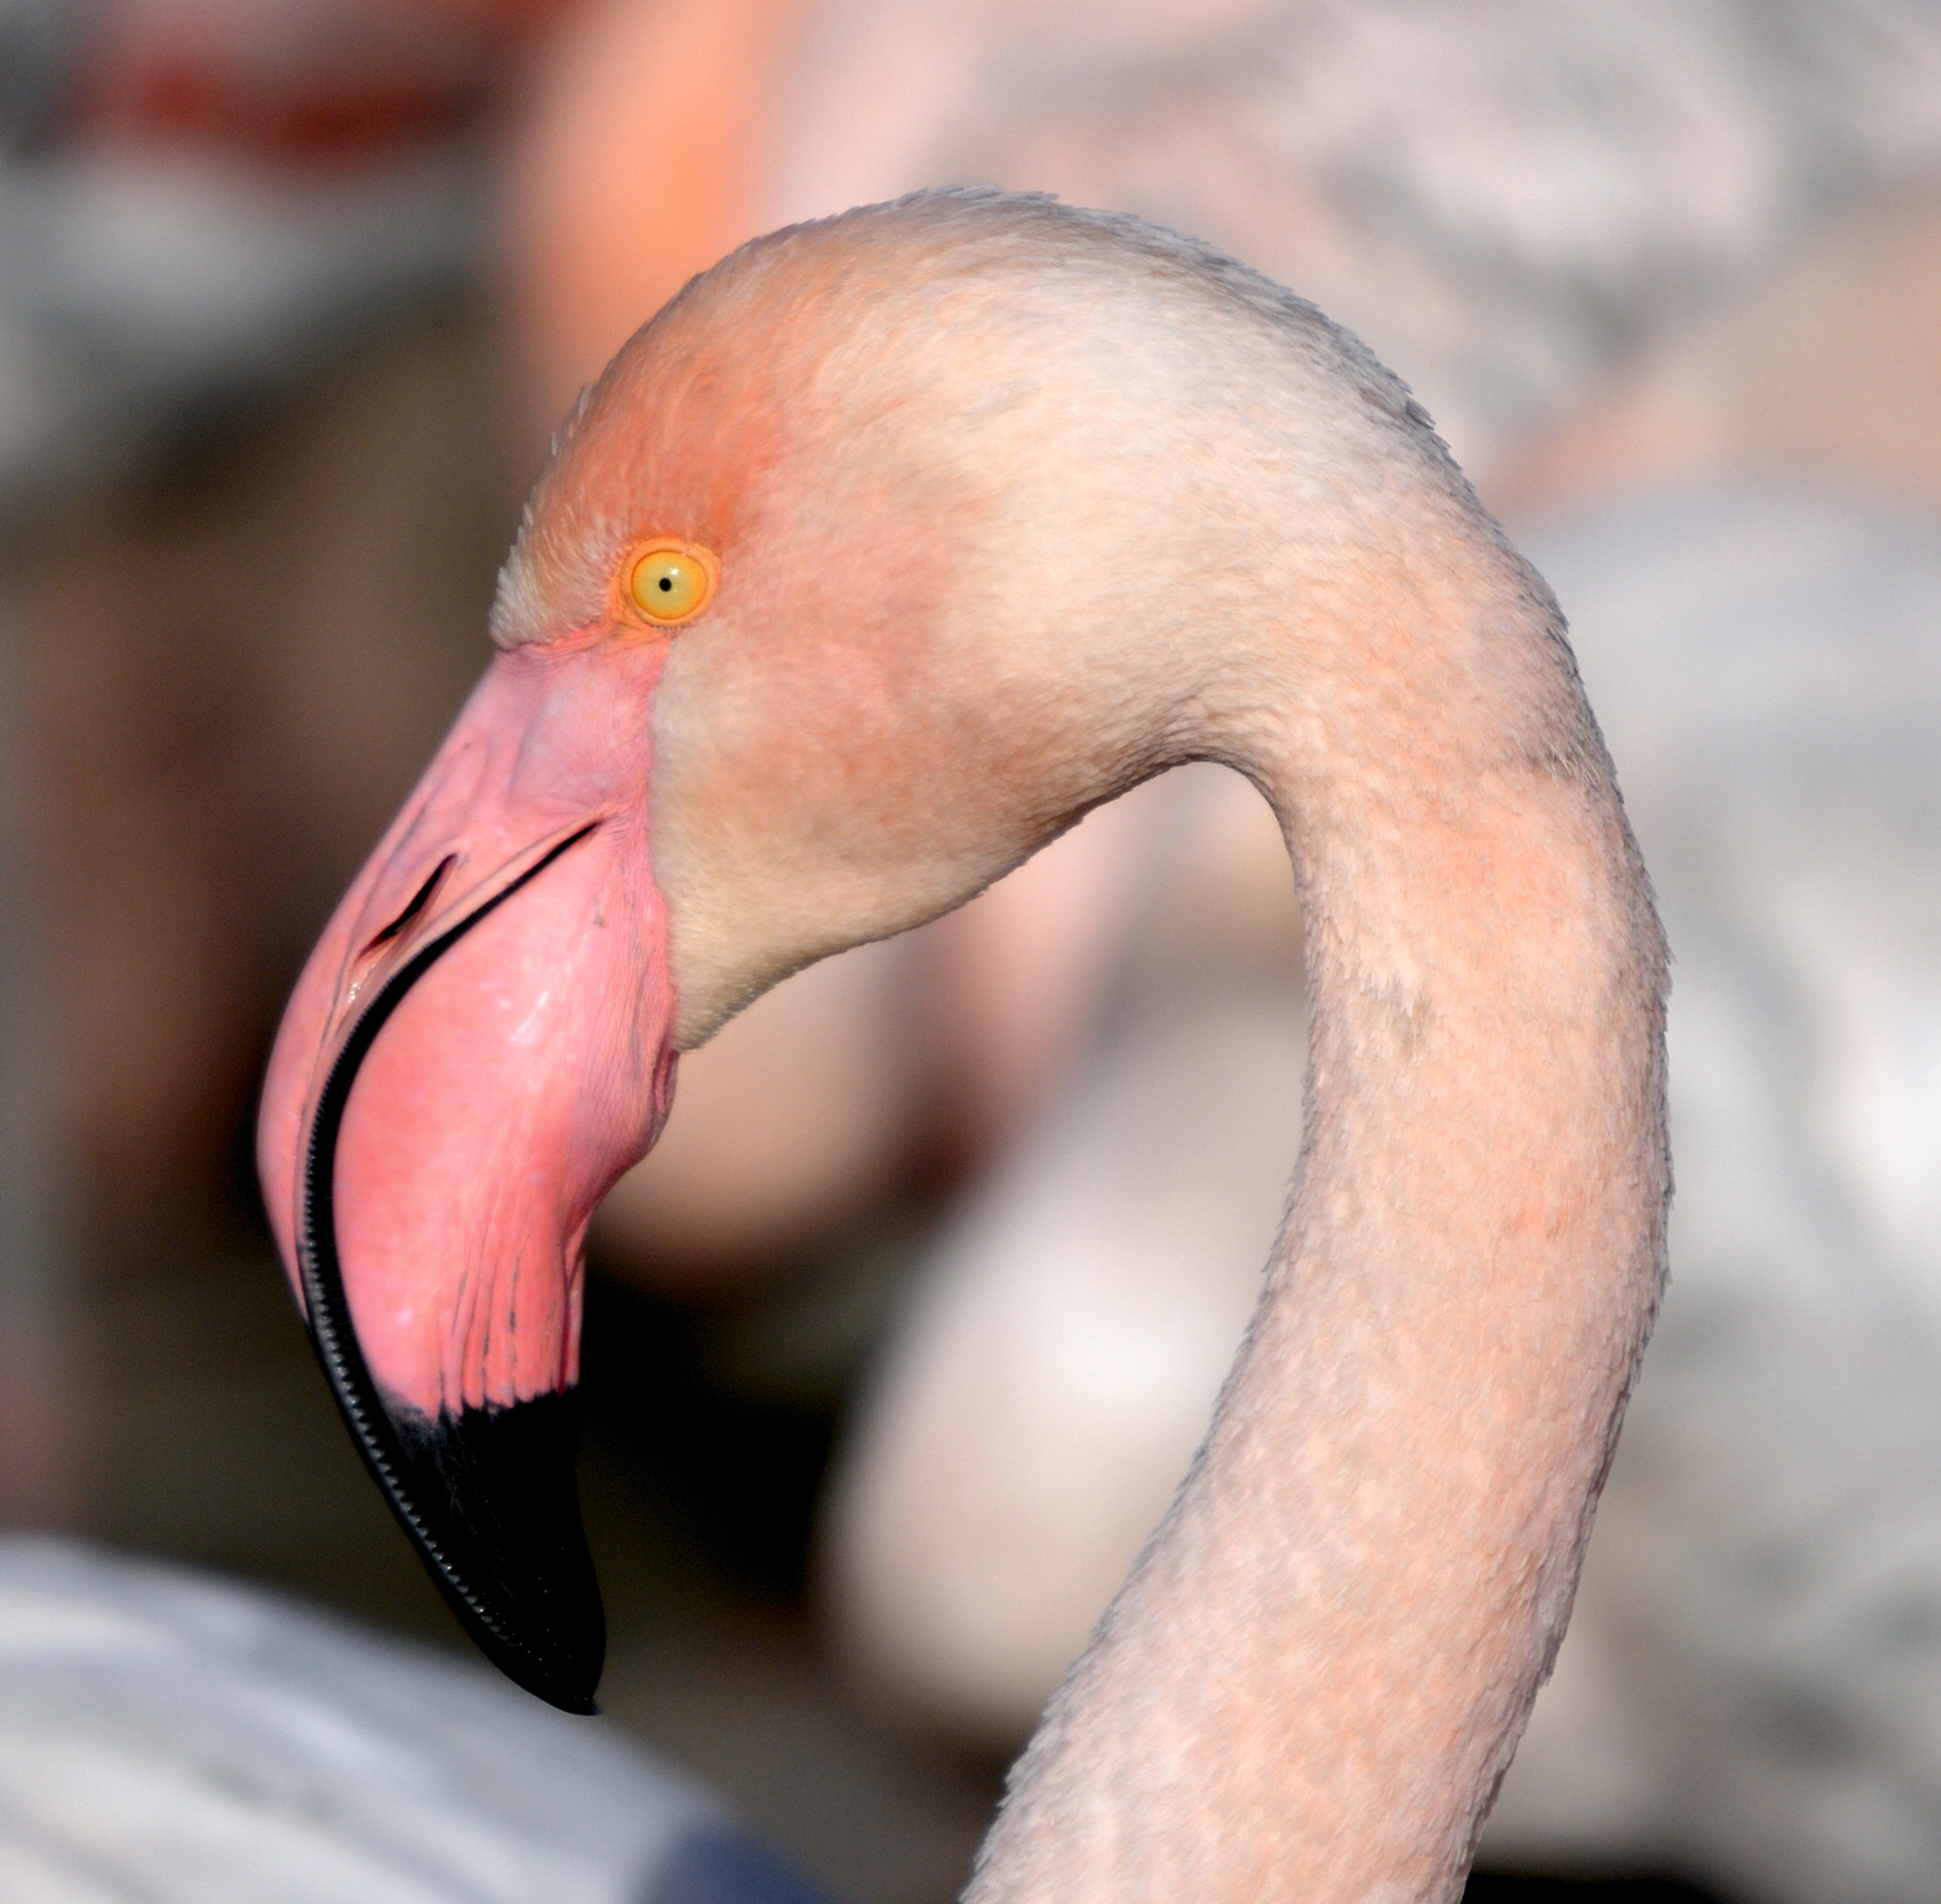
x: 669, y: 581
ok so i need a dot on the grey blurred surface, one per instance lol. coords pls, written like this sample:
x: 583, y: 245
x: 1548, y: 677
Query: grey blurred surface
x: 171, y: 1737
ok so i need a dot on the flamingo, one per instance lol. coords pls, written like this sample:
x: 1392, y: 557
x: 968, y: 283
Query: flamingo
x: 890, y: 547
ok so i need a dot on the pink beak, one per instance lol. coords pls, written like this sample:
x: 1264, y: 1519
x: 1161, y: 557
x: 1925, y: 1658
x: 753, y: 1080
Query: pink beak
x: 478, y: 1048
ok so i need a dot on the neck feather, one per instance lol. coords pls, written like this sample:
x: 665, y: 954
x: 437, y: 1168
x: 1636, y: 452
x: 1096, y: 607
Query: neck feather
x: 1312, y: 1682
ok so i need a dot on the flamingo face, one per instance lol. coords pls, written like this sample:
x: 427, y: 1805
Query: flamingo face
x: 764, y: 607
x: 484, y: 1040
x: 480, y: 1045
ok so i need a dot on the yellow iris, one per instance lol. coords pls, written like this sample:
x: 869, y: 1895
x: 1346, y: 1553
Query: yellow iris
x: 670, y: 581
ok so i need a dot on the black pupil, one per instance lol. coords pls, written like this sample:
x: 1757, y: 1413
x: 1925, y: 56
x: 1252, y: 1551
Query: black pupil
x: 666, y: 584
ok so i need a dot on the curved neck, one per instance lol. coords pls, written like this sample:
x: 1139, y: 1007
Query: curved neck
x: 1314, y: 1678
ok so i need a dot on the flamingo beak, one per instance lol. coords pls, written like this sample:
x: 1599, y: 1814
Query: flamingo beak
x: 478, y: 1048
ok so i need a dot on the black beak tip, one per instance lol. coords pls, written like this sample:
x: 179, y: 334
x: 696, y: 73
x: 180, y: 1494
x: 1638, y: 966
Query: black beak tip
x: 491, y: 1503
x: 489, y: 1499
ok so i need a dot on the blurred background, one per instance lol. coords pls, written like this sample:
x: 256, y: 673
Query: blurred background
x: 898, y: 1346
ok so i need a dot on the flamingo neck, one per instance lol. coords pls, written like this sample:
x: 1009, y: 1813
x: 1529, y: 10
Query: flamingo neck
x: 1314, y: 1678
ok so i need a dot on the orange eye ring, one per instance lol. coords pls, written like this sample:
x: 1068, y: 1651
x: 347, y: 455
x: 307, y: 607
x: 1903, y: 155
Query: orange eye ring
x: 668, y: 580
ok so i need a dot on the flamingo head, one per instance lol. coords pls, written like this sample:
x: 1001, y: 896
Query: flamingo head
x: 890, y: 547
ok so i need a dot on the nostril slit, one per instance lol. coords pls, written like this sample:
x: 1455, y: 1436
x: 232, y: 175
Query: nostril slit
x: 420, y: 900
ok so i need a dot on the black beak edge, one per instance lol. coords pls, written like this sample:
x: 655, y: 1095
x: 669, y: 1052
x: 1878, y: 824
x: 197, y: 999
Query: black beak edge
x: 488, y: 1496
